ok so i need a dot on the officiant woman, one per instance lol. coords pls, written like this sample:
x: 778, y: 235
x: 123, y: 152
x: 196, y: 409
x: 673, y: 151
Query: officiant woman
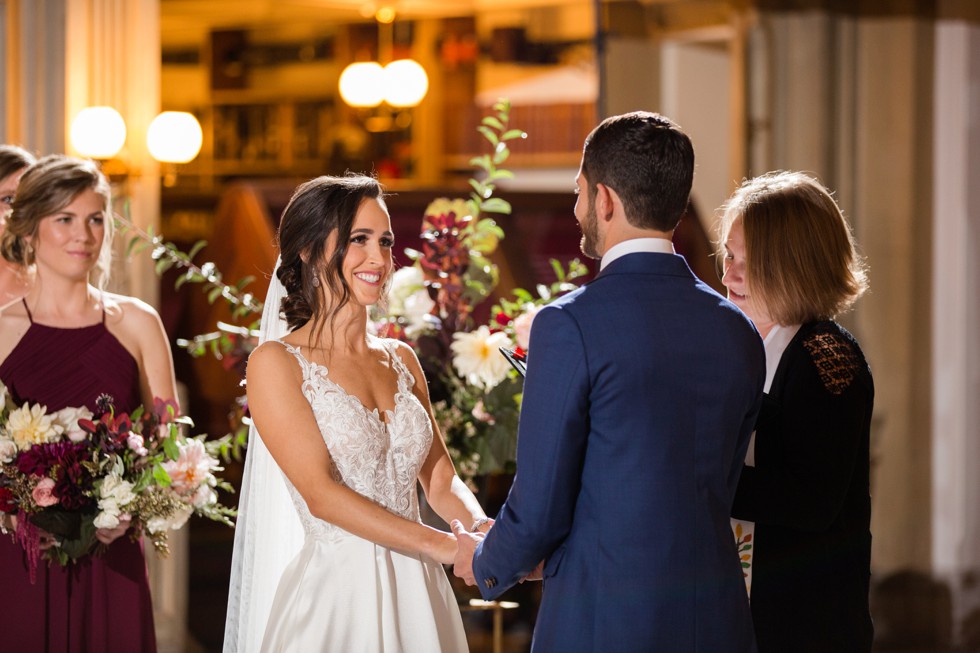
x: 791, y: 265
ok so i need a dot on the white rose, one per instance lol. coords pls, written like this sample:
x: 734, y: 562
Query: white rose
x: 175, y: 521
x: 68, y: 418
x: 8, y: 449
x: 116, y: 490
x: 106, y: 519
x: 204, y: 496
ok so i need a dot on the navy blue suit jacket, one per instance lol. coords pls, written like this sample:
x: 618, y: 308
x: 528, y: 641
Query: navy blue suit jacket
x: 642, y: 389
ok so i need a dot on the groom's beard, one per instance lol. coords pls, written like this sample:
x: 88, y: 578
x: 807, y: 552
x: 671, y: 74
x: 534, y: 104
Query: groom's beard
x: 590, y: 235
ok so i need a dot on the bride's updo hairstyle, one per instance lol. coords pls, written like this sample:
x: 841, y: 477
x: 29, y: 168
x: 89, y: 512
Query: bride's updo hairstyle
x: 319, y: 208
x: 47, y: 187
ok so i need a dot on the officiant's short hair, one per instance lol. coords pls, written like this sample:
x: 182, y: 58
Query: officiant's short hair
x: 800, y: 254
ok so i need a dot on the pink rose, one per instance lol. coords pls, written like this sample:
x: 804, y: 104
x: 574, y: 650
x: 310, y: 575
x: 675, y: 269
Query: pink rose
x: 135, y: 443
x: 522, y: 326
x: 43, y: 493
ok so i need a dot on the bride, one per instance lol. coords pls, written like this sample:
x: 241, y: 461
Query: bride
x: 346, y: 418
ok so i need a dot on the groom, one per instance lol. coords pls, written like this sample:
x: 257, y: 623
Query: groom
x: 641, y: 392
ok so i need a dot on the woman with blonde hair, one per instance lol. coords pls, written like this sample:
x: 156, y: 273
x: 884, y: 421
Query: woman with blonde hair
x: 13, y: 162
x: 63, y: 345
x: 803, y: 499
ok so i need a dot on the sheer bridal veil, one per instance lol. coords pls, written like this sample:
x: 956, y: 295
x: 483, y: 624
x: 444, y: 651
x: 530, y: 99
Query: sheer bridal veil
x: 268, y: 533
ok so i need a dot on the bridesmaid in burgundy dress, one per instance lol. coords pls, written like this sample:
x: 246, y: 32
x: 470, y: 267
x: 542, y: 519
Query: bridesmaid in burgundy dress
x: 62, y: 345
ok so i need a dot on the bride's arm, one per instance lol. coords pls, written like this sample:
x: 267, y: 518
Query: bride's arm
x: 446, y: 492
x: 289, y: 430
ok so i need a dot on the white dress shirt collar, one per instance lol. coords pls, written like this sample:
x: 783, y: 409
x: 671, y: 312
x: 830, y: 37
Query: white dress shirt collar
x: 634, y: 245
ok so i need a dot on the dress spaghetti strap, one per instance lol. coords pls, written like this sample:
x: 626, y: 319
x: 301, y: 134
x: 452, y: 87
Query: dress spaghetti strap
x: 29, y: 316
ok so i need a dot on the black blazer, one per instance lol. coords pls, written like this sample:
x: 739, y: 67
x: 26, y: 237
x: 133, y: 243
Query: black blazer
x: 809, y: 496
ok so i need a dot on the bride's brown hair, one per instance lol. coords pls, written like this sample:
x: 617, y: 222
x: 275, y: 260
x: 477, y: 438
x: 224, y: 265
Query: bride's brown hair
x: 317, y: 209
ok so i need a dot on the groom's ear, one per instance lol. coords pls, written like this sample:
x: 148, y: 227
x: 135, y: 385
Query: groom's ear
x: 605, y: 202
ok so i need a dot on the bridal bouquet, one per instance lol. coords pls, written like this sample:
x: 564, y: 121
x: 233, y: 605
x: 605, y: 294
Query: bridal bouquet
x: 71, y: 472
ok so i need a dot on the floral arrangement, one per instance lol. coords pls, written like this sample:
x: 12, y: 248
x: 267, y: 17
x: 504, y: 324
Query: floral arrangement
x: 476, y: 394
x: 71, y: 472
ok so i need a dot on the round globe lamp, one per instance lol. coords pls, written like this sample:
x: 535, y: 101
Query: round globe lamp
x: 174, y: 137
x: 361, y: 84
x: 405, y: 83
x: 98, y: 132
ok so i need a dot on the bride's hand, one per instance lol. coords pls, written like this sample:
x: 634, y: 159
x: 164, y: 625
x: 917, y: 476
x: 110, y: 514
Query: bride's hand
x: 109, y: 535
x: 445, y: 551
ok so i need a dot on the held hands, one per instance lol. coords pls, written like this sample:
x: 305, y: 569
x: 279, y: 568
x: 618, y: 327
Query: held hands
x: 466, y: 544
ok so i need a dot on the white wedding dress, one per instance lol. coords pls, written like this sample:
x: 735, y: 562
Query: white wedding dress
x: 346, y: 594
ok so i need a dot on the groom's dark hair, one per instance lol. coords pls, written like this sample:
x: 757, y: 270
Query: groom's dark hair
x: 315, y: 285
x: 648, y: 161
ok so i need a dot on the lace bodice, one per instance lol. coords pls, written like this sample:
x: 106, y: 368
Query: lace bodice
x: 378, y: 458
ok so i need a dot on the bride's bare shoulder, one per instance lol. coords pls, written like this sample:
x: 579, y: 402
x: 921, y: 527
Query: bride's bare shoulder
x: 269, y: 357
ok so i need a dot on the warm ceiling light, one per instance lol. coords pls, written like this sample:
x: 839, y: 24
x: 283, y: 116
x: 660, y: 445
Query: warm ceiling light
x: 174, y: 137
x: 98, y: 132
x: 361, y: 84
x: 405, y: 83
x: 385, y: 15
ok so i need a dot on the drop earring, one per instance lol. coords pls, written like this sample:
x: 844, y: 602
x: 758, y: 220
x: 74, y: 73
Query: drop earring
x: 316, y: 282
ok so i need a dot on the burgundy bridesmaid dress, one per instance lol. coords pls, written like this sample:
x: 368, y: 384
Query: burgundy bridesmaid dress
x: 101, y: 603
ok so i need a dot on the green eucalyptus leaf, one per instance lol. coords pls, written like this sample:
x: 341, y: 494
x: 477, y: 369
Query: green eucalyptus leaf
x: 496, y: 205
x: 160, y: 476
x: 499, y: 157
x: 488, y: 134
x: 198, y: 246
x: 170, y: 448
x: 490, y: 121
x: 479, y: 188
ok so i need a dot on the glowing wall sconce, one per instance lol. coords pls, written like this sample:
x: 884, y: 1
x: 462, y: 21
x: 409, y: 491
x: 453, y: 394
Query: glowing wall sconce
x: 98, y: 132
x: 405, y: 83
x: 361, y: 84
x: 401, y: 84
x: 174, y: 137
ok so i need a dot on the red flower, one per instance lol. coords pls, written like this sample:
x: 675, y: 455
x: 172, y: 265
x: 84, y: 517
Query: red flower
x: 503, y: 319
x: 162, y: 409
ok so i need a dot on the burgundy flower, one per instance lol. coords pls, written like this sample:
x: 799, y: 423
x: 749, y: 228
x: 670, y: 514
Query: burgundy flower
x: 161, y: 410
x: 7, y: 503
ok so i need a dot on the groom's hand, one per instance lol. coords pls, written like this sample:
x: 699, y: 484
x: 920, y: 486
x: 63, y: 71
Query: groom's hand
x: 465, y: 547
